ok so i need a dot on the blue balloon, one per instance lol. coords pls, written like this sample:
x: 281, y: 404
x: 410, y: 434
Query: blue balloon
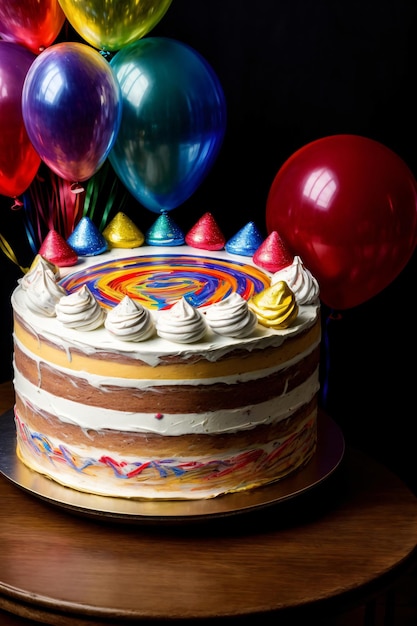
x: 173, y: 121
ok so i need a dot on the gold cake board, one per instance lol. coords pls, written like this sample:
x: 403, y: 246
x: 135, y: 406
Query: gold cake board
x: 330, y: 452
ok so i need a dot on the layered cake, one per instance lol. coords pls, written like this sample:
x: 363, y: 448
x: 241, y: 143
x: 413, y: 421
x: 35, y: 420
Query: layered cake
x: 166, y: 373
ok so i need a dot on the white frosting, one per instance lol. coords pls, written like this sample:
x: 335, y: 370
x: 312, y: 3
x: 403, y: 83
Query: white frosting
x: 80, y: 310
x: 231, y: 317
x: 300, y: 280
x: 220, y: 421
x: 182, y: 323
x: 130, y: 321
x: 42, y: 290
x: 39, y: 264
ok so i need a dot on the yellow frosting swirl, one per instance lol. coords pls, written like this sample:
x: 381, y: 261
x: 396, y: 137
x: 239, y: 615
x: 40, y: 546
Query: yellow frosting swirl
x: 276, y: 306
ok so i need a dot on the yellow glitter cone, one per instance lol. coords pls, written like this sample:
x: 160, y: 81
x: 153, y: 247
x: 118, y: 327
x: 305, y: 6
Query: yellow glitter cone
x: 121, y: 232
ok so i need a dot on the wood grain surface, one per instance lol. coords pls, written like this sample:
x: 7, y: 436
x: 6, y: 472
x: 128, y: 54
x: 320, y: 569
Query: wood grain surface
x: 320, y: 553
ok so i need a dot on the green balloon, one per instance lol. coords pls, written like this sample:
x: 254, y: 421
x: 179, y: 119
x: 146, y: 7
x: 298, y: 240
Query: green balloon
x: 173, y: 121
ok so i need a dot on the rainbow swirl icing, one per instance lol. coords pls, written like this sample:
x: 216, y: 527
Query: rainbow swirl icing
x: 158, y: 281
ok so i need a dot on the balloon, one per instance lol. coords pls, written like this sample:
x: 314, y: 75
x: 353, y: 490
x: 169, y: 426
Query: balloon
x: 71, y: 106
x: 173, y: 121
x: 347, y: 205
x: 113, y: 24
x: 19, y: 161
x: 33, y: 23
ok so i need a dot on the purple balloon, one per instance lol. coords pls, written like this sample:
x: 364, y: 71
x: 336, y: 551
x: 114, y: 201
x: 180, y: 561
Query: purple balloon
x: 71, y: 105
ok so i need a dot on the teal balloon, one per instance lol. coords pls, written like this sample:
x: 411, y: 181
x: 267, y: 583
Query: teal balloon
x: 173, y: 121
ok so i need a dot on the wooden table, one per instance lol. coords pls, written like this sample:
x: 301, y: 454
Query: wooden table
x: 322, y: 553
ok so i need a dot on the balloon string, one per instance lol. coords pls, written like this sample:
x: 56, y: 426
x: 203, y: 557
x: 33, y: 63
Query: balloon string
x: 94, y: 187
x: 28, y: 224
x: 91, y: 195
x: 8, y: 251
x: 66, y: 205
x: 55, y: 205
x: 110, y: 202
x: 37, y: 215
x: 50, y: 206
x: 333, y: 316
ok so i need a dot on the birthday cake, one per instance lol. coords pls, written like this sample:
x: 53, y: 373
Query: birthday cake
x: 166, y: 372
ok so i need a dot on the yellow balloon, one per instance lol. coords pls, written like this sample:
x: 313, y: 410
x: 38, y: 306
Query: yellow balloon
x: 112, y: 24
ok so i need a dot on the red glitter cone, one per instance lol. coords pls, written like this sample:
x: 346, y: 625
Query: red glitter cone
x: 273, y: 255
x: 55, y: 249
x: 206, y: 234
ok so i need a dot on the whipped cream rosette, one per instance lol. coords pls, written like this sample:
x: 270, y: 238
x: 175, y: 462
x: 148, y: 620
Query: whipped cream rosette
x: 39, y: 263
x: 231, y: 317
x: 300, y: 280
x: 42, y: 290
x: 182, y: 323
x: 130, y: 321
x: 276, y: 306
x: 80, y: 310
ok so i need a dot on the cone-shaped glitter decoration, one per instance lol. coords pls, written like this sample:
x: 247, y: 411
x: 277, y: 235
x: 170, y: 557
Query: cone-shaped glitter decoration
x: 86, y: 239
x: 55, y: 249
x: 273, y: 255
x: 246, y: 241
x: 164, y: 232
x: 121, y: 232
x: 206, y: 234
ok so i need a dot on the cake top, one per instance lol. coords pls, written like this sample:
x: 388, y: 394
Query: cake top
x: 155, y: 299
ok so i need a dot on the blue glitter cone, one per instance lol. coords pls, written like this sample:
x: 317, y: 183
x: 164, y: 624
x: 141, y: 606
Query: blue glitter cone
x: 246, y: 241
x: 86, y: 239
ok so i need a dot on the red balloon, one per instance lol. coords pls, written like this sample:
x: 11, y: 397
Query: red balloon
x: 347, y: 205
x: 34, y: 24
x: 19, y: 161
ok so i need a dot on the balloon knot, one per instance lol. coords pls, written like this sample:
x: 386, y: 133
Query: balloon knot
x: 335, y: 315
x: 17, y: 204
x: 107, y: 55
x: 76, y: 188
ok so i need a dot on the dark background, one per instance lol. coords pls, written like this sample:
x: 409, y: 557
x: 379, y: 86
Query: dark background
x: 294, y: 71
